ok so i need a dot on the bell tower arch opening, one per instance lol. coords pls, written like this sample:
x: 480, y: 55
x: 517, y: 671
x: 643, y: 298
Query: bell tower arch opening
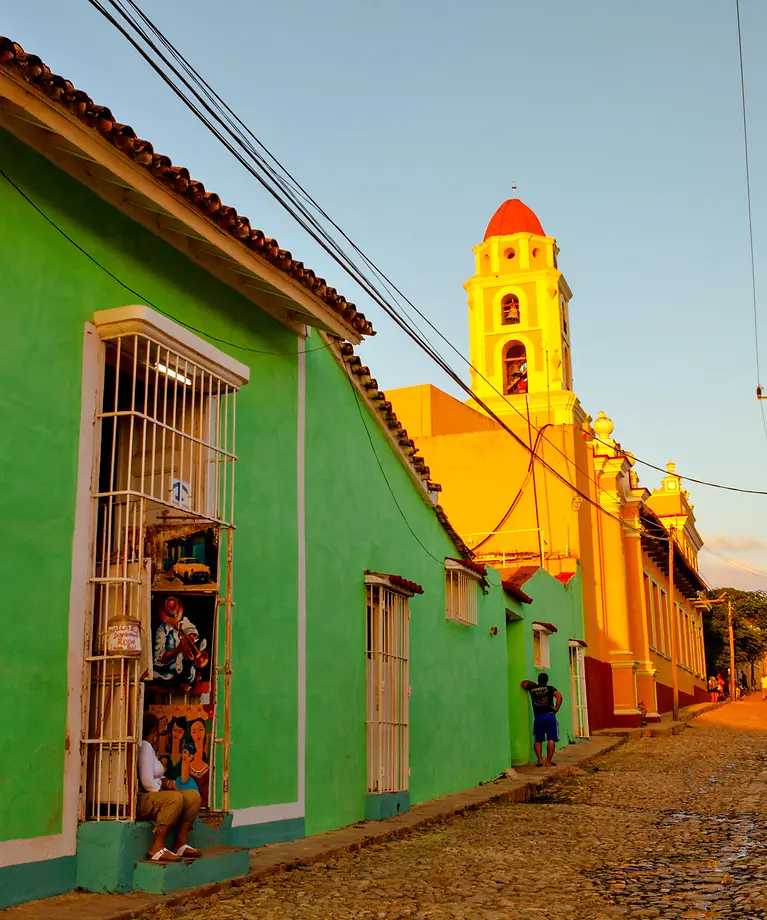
x: 514, y: 368
x: 510, y: 313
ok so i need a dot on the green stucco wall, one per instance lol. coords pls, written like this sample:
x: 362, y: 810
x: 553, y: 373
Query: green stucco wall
x: 49, y: 290
x: 459, y: 707
x: 560, y: 605
x: 459, y: 700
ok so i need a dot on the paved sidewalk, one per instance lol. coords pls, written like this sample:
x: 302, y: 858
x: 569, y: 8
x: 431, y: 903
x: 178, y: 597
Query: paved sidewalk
x: 522, y: 786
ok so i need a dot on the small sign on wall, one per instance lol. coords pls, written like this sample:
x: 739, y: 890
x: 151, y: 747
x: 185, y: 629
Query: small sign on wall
x: 179, y: 492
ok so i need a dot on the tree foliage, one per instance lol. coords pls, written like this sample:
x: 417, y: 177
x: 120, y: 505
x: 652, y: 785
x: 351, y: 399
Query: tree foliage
x: 749, y: 621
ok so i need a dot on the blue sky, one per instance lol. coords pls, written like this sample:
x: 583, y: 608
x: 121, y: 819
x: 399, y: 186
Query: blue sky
x: 620, y: 124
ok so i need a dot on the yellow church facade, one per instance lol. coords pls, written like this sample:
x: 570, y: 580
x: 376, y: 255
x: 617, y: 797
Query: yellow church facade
x: 529, y: 477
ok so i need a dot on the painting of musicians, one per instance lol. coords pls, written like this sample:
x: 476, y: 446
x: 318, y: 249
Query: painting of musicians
x: 182, y: 628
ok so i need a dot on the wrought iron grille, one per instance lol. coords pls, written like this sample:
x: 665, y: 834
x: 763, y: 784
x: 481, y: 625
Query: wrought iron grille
x: 387, y: 689
x: 165, y: 456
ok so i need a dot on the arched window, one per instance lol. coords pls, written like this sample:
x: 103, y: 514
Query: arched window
x: 514, y: 369
x: 510, y: 310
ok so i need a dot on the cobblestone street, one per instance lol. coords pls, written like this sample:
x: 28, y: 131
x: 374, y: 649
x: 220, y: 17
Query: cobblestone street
x: 669, y: 827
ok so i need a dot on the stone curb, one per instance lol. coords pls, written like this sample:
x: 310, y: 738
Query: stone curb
x: 665, y: 727
x: 513, y: 790
x: 520, y: 788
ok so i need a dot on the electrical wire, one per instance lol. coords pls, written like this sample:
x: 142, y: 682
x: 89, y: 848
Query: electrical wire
x: 319, y: 236
x: 386, y: 478
x: 515, y: 501
x: 287, y: 200
x: 300, y: 190
x: 220, y: 105
x: 406, y: 326
x: 702, y: 482
x: 135, y: 293
x: 327, y: 344
x: 735, y: 562
x: 749, y: 209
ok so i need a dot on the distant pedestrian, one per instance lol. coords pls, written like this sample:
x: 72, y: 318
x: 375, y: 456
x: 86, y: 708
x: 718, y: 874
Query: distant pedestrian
x: 721, y: 684
x: 546, y: 701
x: 764, y: 687
x: 713, y: 689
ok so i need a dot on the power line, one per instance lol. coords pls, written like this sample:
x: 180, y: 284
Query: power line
x: 225, y: 116
x: 702, y: 482
x: 100, y: 265
x: 292, y: 205
x: 735, y: 562
x: 749, y: 210
x: 413, y: 335
x: 315, y: 231
x: 386, y: 478
x: 133, y: 291
x: 409, y: 328
x: 411, y: 332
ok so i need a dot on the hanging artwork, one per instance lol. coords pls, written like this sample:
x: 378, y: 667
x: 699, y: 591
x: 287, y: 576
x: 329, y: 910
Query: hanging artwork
x: 182, y: 631
x: 185, y: 558
x: 185, y: 745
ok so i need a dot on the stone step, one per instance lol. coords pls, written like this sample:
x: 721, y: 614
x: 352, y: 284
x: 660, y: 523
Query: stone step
x: 215, y: 865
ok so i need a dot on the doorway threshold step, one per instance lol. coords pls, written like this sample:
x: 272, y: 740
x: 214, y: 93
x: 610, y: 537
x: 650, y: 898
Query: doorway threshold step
x: 217, y: 864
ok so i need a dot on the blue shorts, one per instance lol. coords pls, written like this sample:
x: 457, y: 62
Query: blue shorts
x: 546, y: 728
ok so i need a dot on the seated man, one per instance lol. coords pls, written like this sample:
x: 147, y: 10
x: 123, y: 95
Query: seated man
x: 546, y: 701
x: 160, y: 800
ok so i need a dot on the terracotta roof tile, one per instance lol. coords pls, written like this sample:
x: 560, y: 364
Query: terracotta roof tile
x: 177, y: 178
x: 549, y: 627
x: 513, y: 580
x: 516, y: 592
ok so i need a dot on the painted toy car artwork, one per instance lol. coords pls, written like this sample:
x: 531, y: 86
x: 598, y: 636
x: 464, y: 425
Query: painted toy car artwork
x: 191, y: 571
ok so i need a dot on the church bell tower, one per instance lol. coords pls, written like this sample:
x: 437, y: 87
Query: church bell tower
x: 518, y: 315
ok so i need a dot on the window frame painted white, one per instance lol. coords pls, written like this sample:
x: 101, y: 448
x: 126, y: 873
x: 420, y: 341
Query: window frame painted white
x: 541, y: 654
x: 578, y: 695
x: 150, y: 350
x: 462, y: 586
x: 387, y: 663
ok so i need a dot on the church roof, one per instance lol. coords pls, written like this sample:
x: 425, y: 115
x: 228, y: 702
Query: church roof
x: 513, y: 216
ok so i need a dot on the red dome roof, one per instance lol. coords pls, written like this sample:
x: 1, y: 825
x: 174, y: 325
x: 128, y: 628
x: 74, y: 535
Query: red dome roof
x: 513, y: 216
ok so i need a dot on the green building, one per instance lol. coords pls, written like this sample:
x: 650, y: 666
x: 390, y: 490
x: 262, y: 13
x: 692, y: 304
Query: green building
x: 544, y: 634
x: 343, y: 655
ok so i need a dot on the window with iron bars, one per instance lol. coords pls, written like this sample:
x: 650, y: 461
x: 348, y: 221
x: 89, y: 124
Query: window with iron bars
x: 164, y: 465
x: 541, y: 649
x: 461, y: 587
x: 388, y: 690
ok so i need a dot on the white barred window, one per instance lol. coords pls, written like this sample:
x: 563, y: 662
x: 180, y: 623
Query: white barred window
x: 461, y: 587
x: 541, y: 652
x: 388, y: 689
x: 163, y: 475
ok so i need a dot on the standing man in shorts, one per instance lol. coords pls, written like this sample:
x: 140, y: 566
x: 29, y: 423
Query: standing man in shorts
x: 546, y: 701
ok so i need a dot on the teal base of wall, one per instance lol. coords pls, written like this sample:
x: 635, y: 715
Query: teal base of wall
x: 110, y: 854
x: 107, y: 853
x: 215, y: 865
x: 111, y: 858
x: 33, y: 881
x: 379, y: 806
x: 259, y: 835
